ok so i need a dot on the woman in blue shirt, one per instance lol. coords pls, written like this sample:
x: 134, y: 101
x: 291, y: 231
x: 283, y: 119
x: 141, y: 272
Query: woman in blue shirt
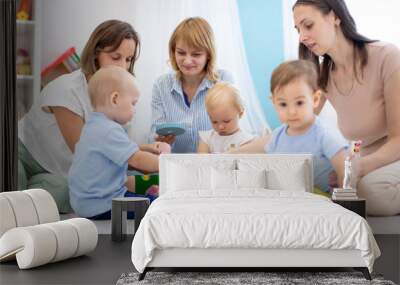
x: 179, y: 97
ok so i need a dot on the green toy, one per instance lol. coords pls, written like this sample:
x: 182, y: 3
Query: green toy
x: 144, y: 182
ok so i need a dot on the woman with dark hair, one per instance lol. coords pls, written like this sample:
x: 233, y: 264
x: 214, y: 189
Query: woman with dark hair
x: 49, y: 131
x: 361, y: 79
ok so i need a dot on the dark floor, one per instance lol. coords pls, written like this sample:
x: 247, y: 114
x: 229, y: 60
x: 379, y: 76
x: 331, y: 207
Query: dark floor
x: 102, y: 266
x: 110, y: 259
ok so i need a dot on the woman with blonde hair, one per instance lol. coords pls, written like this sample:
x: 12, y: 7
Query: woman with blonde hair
x: 178, y: 97
x: 49, y: 131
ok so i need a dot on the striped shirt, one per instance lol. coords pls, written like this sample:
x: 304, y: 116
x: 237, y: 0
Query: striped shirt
x: 168, y: 106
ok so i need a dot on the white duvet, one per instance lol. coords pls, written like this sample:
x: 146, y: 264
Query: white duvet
x: 252, y: 218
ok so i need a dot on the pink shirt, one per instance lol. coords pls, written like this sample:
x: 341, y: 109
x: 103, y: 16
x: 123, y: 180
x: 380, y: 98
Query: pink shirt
x: 362, y: 114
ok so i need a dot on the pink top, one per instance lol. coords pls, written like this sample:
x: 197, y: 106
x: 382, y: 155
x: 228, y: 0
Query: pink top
x: 362, y: 114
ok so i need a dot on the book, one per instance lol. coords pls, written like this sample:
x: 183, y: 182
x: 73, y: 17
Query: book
x: 342, y: 190
x: 344, y: 196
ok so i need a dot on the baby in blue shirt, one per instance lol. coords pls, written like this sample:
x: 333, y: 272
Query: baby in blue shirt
x: 104, y: 151
x: 295, y: 95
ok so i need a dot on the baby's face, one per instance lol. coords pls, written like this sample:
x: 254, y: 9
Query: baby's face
x: 295, y: 105
x: 224, y: 119
x: 126, y: 105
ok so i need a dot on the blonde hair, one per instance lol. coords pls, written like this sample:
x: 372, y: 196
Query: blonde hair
x: 108, y: 34
x: 105, y: 81
x: 197, y: 33
x: 221, y: 93
x: 290, y: 71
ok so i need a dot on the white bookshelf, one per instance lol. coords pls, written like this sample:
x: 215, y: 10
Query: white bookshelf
x: 28, y: 38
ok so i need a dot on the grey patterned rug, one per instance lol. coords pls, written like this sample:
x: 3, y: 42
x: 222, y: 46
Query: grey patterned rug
x: 269, y: 278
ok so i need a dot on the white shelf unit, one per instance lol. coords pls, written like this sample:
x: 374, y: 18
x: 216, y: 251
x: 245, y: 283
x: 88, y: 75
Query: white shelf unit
x: 28, y: 38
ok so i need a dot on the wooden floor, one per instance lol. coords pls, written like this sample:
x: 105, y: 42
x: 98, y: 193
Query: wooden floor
x: 102, y: 266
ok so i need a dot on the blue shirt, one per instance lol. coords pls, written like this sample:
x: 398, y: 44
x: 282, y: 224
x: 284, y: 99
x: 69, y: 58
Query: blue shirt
x: 323, y: 143
x: 168, y: 106
x: 99, y: 166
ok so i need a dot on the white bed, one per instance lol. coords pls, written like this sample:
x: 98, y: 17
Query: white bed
x: 221, y: 211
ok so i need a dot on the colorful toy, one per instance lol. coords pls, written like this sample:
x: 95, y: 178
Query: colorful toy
x: 153, y: 191
x: 23, y: 62
x: 24, y: 10
x: 165, y: 129
x: 356, y: 147
x: 144, y: 182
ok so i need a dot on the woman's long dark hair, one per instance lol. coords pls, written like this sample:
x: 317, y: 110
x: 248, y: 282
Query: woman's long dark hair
x: 349, y: 30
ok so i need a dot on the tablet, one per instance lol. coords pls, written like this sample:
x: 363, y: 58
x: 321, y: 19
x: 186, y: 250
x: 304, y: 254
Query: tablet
x: 174, y: 129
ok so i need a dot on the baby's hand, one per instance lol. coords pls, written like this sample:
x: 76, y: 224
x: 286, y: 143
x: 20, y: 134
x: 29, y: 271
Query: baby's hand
x: 159, y: 147
x: 164, y: 147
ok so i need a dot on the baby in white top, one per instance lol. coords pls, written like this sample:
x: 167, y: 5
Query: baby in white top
x: 224, y: 108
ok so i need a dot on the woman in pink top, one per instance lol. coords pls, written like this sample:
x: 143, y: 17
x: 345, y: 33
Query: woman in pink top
x: 361, y: 79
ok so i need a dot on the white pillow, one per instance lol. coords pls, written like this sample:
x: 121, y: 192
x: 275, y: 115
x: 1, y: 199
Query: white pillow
x: 183, y: 177
x: 293, y: 180
x: 251, y: 178
x: 281, y: 173
x: 223, y: 179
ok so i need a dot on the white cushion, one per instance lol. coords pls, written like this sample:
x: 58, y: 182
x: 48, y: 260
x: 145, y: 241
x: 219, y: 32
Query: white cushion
x: 45, y: 205
x: 87, y: 235
x: 40, y: 244
x: 279, y: 179
x: 7, y: 215
x: 26, y: 208
x: 179, y: 172
x: 283, y: 173
x: 223, y: 179
x: 22, y: 207
x: 31, y: 232
x: 251, y: 178
x: 186, y: 177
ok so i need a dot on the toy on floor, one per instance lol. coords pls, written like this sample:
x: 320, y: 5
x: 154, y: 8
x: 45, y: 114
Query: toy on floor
x: 144, y: 182
x: 153, y: 190
x: 23, y: 62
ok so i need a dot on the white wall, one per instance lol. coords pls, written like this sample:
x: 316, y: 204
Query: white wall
x: 67, y: 23
x: 378, y: 20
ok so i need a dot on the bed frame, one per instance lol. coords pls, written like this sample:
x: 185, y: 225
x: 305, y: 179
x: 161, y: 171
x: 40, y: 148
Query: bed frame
x: 246, y: 259
x: 242, y: 259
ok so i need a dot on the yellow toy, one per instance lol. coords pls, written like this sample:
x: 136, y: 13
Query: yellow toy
x: 23, y: 62
x: 24, y: 10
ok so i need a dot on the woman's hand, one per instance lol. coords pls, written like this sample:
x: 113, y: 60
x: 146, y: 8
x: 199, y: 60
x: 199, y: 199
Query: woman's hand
x: 169, y: 139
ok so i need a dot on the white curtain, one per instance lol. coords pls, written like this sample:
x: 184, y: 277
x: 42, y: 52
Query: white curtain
x: 375, y: 19
x: 155, y: 21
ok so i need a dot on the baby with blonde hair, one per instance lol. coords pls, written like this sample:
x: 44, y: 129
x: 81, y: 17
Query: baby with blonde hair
x: 225, y: 108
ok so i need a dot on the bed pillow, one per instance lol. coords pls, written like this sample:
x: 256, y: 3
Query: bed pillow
x: 223, y: 179
x: 251, y: 178
x: 183, y: 177
x: 293, y: 180
x: 281, y: 174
